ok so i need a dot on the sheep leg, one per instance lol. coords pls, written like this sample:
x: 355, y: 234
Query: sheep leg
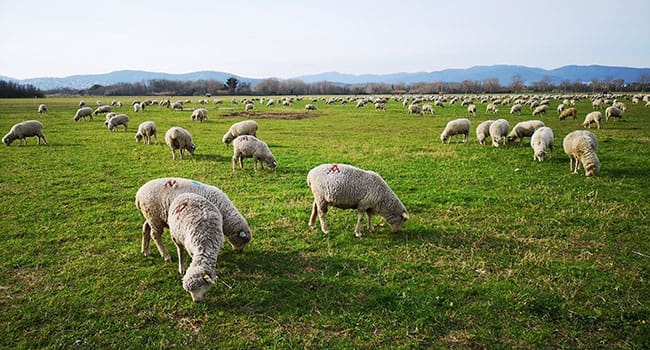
x: 369, y: 223
x: 322, y: 213
x: 181, y: 261
x: 234, y: 163
x: 312, y: 218
x: 146, y: 238
x: 149, y: 232
x: 181, y: 152
x: 357, y: 230
x: 173, y: 155
x: 157, y: 239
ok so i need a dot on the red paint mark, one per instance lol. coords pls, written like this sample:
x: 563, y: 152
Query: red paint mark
x: 170, y: 183
x: 180, y: 208
x: 334, y: 169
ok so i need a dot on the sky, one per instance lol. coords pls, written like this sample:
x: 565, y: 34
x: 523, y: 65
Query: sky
x: 285, y: 39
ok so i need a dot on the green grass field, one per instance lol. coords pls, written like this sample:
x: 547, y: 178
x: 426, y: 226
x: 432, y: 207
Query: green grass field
x: 538, y: 258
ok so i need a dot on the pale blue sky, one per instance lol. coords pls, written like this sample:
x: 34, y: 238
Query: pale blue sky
x: 285, y: 39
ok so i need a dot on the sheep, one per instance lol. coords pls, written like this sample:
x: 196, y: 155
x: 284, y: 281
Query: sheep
x: 196, y: 226
x: 613, y: 112
x: 471, y: 109
x: 523, y: 129
x: 483, y: 131
x: 137, y: 107
x: 177, y: 106
x: 380, y: 106
x: 581, y: 147
x: 248, y: 146
x: 458, y: 126
x: 25, y: 129
x: 415, y: 109
x: 270, y: 103
x: 120, y: 119
x: 246, y: 127
x: 516, y: 108
x: 310, y: 107
x: 200, y: 114
x: 540, y: 110
x: 427, y: 108
x: 560, y: 108
x: 179, y: 139
x: 348, y: 187
x: 591, y: 118
x: 83, y: 112
x: 498, y: 131
x: 42, y: 108
x: 541, y: 141
x: 82, y: 103
x: 145, y: 131
x: 109, y: 116
x: 249, y: 107
x: 102, y: 109
x: 154, y: 198
x: 492, y: 108
x: 569, y: 112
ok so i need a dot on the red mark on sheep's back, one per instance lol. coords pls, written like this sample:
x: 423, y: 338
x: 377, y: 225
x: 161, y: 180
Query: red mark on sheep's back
x: 180, y: 207
x: 170, y: 183
x: 333, y: 169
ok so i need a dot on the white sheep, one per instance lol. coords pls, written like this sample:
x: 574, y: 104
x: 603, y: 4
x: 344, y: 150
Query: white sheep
x: 246, y: 127
x: 524, y: 129
x: 613, y: 112
x: 542, y: 143
x: 540, y: 110
x: 492, y: 108
x: 427, y: 108
x: 591, y: 118
x: 498, y: 131
x: 102, y: 109
x: 196, y: 226
x: 82, y: 103
x: 177, y: 106
x: 22, y: 130
x: 249, y: 107
x: 310, y: 107
x: 200, y: 114
x: 516, y: 108
x: 120, y: 119
x: 380, y: 106
x: 154, y: 198
x: 42, y: 108
x: 415, y: 109
x: 458, y: 126
x: 137, y: 107
x: 145, y: 131
x: 348, y: 187
x: 471, y: 109
x: 109, y: 116
x: 483, y: 131
x: 248, y: 146
x: 179, y: 139
x: 581, y: 147
x: 83, y: 112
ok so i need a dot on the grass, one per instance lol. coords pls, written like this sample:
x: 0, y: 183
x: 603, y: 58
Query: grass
x: 538, y: 258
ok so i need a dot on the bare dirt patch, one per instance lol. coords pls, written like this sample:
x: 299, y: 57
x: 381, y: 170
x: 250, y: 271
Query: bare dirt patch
x: 271, y: 115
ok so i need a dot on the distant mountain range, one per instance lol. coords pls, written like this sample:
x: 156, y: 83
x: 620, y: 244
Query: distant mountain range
x: 504, y: 73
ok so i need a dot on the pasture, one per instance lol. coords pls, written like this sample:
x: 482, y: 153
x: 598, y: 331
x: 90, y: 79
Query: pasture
x: 491, y: 257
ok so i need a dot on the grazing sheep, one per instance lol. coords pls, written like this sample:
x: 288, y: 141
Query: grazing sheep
x: 177, y: 106
x: 523, y: 129
x: 471, y: 109
x: 82, y: 103
x: 540, y: 110
x: 102, y: 109
x: 348, y: 187
x: 137, y: 107
x: 42, y: 108
x: 613, y: 112
x: 498, y: 131
x: 415, y: 109
x: 581, y: 147
x: 83, y: 112
x: 591, y: 118
x: 310, y: 107
x: 25, y: 129
x: 516, y: 108
x: 569, y: 112
x: 154, y: 198
x: 246, y: 127
x: 179, y: 139
x: 249, y: 107
x: 196, y: 226
x: 381, y: 106
x: 200, y: 114
x: 541, y: 141
x: 109, y: 116
x: 458, y: 126
x: 120, y: 119
x: 483, y: 131
x: 145, y: 131
x: 560, y: 108
x: 492, y: 108
x: 248, y: 146
x: 427, y: 108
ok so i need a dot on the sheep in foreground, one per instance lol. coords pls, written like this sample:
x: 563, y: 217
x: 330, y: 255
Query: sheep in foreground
x: 42, y: 108
x: 613, y: 112
x: 22, y: 130
x: 581, y: 147
x: 102, y: 109
x: 524, y: 129
x: 114, y: 122
x: 458, y: 126
x: 483, y: 131
x: 542, y: 143
x: 179, y: 139
x: 246, y: 127
x: 516, y: 108
x: 540, y: 110
x: 591, y: 118
x: 196, y: 226
x: 568, y: 113
x: 498, y: 131
x: 145, y: 131
x: 154, y: 198
x: 248, y: 146
x: 200, y: 114
x: 348, y: 187
x: 83, y: 112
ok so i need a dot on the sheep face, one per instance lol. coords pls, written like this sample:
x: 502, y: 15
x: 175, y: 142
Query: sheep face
x: 197, y: 283
x: 239, y: 241
x: 191, y: 148
x: 8, y: 139
x: 138, y: 137
x: 397, y: 221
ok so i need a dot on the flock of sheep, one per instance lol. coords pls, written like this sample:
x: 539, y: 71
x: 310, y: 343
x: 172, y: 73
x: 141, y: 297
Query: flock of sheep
x: 200, y: 216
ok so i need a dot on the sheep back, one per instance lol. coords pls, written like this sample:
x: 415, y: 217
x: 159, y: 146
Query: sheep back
x: 524, y: 129
x: 246, y: 127
x: 83, y: 112
x: 115, y: 121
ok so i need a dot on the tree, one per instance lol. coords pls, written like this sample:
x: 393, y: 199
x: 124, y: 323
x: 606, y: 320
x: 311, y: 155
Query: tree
x: 231, y: 84
x: 517, y: 83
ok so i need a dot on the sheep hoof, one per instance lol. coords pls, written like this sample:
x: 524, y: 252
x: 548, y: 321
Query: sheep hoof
x: 357, y: 234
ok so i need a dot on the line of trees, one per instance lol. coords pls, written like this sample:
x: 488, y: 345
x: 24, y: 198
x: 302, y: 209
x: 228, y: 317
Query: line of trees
x: 232, y: 86
x: 10, y: 89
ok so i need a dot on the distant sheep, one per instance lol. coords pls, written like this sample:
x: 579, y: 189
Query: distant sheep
x: 568, y: 113
x: 42, y: 108
x: 83, y: 112
x: 581, y: 147
x: 415, y: 109
x: 248, y: 146
x: 179, y: 139
x: 82, y: 103
x: 542, y: 143
x: 177, y: 106
x: 200, y: 114
x: 102, y: 109
x: 483, y: 131
x: 310, y: 107
x: 492, y: 108
x: 458, y: 126
x: 471, y: 109
x: 380, y: 106
x: 540, y: 110
x: 246, y: 127
x: 498, y: 131
x: 524, y: 129
x: 22, y: 130
x: 346, y: 187
x: 516, y: 108
x: 146, y: 130
x: 613, y: 112
x: 120, y: 119
x: 137, y: 107
x: 427, y: 108
x: 592, y: 118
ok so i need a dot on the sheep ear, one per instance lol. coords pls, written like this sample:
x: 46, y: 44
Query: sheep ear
x: 405, y: 215
x: 242, y: 234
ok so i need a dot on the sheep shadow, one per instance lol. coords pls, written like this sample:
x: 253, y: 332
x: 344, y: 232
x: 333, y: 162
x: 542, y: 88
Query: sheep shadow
x: 212, y: 157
